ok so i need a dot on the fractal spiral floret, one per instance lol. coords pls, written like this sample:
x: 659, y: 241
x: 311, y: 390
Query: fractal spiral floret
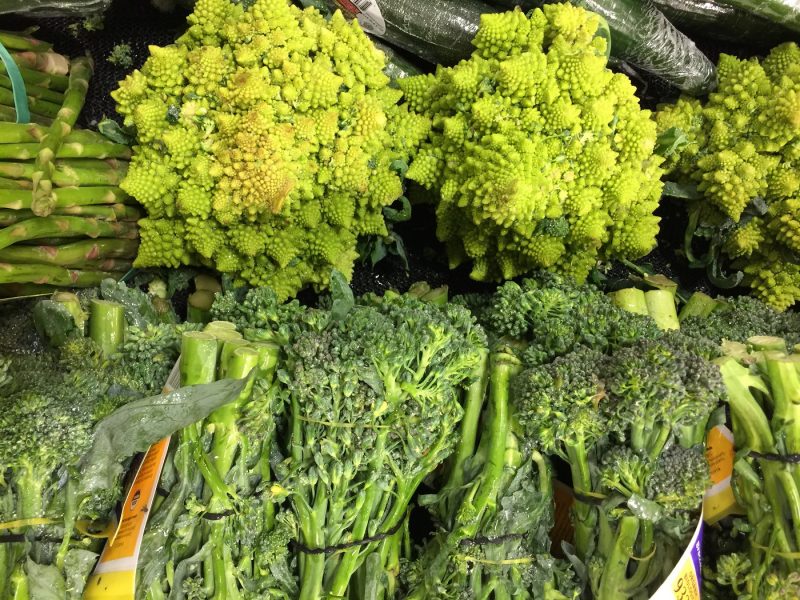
x: 540, y: 156
x: 269, y: 141
x: 741, y: 153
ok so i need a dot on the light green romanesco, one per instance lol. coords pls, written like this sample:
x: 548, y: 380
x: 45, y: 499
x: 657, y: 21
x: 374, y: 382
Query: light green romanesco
x: 269, y: 141
x: 541, y: 157
x: 741, y: 154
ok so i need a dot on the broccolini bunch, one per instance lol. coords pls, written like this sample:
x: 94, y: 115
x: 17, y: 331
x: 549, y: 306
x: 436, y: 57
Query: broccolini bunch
x: 540, y: 156
x: 269, y: 141
x: 630, y: 425
x: 738, y: 156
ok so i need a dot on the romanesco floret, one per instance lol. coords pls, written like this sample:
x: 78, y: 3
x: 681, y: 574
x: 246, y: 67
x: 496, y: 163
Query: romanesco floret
x: 269, y: 140
x: 740, y: 153
x: 533, y: 130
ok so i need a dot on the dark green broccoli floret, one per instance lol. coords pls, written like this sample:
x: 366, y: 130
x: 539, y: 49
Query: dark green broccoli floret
x: 741, y: 318
x: 680, y: 478
x: 257, y: 309
x: 551, y: 316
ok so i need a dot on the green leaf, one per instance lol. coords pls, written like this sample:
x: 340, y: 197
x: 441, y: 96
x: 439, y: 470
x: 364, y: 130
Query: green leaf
x: 78, y: 564
x: 136, y: 426
x: 112, y: 130
x: 342, y: 296
x: 401, y: 215
x: 45, y: 581
x: 672, y: 141
x: 378, y: 252
x: 685, y: 191
x: 399, y: 166
x: 645, y: 509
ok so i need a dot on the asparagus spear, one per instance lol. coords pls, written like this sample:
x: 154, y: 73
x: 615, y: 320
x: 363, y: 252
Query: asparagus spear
x: 42, y: 227
x: 112, y: 212
x: 43, y: 198
x: 46, y: 62
x: 101, y: 150
x: 86, y: 172
x: 13, y: 290
x: 35, y: 91
x: 48, y: 80
x: 8, y: 113
x: 82, y: 254
x: 15, y: 184
x: 38, y: 106
x: 50, y: 275
x: 66, y: 197
x: 19, y: 41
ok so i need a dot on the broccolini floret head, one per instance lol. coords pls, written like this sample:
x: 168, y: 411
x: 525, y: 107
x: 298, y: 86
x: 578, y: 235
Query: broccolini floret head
x: 554, y: 163
x: 741, y: 155
x: 552, y: 315
x: 680, y: 478
x: 268, y: 138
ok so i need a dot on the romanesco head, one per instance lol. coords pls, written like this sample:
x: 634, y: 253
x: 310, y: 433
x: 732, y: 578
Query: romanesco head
x: 269, y: 140
x: 740, y: 152
x: 534, y: 130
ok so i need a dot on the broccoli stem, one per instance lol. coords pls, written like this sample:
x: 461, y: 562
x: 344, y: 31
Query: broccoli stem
x: 585, y: 516
x: 20, y: 198
x: 614, y: 579
x: 199, y: 306
x: 65, y: 226
x: 107, y: 325
x: 74, y: 97
x: 198, y: 362
x: 661, y: 307
x: 631, y: 300
x: 473, y: 406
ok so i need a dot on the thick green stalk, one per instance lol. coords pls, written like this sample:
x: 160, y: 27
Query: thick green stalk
x: 661, y: 307
x: 35, y: 91
x: 74, y: 97
x: 48, y: 80
x: 631, y: 300
x: 699, y: 305
x: 614, y: 576
x: 69, y: 172
x: 17, y: 41
x: 9, y: 114
x: 43, y: 227
x: 784, y: 383
x: 107, y: 325
x: 99, y: 150
x: 15, y: 184
x: 473, y: 406
x: 198, y: 362
x: 51, y: 63
x: 585, y: 515
x: 50, y: 275
x: 65, y: 197
x: 751, y: 427
x: 113, y: 212
x: 76, y: 255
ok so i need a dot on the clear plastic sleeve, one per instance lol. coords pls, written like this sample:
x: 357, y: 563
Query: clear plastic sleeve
x: 784, y: 12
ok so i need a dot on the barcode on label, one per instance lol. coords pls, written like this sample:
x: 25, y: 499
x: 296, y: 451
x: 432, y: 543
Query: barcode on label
x: 363, y: 4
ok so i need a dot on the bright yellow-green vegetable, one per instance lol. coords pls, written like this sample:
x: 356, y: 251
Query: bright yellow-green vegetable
x: 269, y: 141
x: 540, y: 155
x: 739, y: 155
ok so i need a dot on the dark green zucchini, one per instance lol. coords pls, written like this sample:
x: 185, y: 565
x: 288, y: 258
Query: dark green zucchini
x: 721, y: 22
x: 783, y: 12
x: 642, y: 36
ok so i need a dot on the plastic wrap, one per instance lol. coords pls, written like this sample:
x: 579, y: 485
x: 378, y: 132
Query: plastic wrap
x: 784, y: 12
x: 642, y: 36
x: 439, y: 31
x: 717, y: 21
x: 53, y: 8
x: 397, y: 65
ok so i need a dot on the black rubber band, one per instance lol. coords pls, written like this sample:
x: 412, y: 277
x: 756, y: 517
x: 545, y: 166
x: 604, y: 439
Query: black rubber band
x: 339, y: 547
x: 587, y: 499
x: 217, y: 516
x: 12, y: 538
x: 791, y: 459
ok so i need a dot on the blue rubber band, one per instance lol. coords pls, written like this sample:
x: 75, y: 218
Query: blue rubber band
x: 17, y: 86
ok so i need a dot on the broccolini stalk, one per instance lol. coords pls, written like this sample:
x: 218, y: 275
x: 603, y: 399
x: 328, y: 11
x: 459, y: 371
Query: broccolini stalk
x: 74, y: 97
x: 661, y: 307
x: 107, y: 325
x: 73, y: 305
x: 699, y: 305
x: 630, y: 299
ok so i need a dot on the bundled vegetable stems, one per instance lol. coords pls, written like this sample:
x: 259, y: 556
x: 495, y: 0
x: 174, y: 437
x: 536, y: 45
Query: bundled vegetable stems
x: 763, y: 383
x: 63, y: 219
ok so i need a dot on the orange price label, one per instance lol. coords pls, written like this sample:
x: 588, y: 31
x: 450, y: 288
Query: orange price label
x: 720, y: 500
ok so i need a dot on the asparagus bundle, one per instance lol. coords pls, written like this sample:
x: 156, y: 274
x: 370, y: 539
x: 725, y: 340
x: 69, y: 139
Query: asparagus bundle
x: 64, y: 221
